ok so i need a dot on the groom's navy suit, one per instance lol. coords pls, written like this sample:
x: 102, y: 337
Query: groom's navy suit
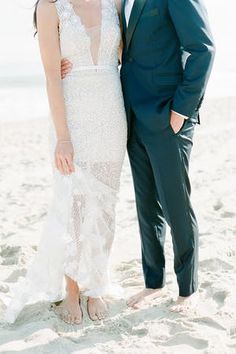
x: 167, y: 59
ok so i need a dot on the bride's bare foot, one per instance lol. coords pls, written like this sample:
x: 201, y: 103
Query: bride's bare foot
x: 186, y: 303
x: 69, y: 309
x: 145, y: 295
x: 97, y: 309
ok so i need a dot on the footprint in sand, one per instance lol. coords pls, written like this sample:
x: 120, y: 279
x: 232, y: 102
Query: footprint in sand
x: 4, y: 288
x: 209, y: 322
x: 218, y: 205
x: 131, y: 282
x: 217, y: 294
x: 232, y: 331
x: 9, y: 254
x: 130, y: 273
x: 205, y: 285
x: 214, y: 265
x: 127, y: 265
x: 220, y: 297
x: 140, y: 332
x: 7, y: 234
x: 185, y: 339
x: 228, y: 214
x: 175, y: 327
x: 15, y: 275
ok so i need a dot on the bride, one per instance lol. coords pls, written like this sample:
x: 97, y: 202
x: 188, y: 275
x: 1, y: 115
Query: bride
x: 87, y: 144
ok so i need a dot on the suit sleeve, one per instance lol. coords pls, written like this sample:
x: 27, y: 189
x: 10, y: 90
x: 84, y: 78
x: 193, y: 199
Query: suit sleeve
x: 191, y: 24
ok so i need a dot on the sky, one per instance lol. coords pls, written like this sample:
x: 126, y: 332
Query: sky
x: 19, y: 54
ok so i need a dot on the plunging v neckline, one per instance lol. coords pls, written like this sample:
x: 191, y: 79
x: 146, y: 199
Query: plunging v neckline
x: 94, y: 60
x: 80, y: 20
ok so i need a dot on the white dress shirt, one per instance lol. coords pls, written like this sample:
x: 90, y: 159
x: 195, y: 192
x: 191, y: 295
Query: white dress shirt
x: 128, y: 8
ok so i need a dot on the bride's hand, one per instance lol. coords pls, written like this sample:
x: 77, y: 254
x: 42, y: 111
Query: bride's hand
x: 64, y: 154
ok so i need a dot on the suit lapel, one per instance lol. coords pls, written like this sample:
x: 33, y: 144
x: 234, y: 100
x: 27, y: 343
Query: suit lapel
x: 134, y: 17
x: 123, y: 20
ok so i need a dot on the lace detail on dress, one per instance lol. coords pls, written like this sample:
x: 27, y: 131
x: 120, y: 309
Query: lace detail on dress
x: 91, y: 200
x: 89, y: 45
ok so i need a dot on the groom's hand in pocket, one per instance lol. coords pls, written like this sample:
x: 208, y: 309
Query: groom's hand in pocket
x: 66, y: 67
x: 176, y: 121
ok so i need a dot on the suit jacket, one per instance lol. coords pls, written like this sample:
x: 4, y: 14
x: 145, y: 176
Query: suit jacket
x: 167, y: 59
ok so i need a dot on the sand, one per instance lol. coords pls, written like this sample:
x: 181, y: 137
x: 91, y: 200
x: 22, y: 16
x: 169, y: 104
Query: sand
x: 25, y: 189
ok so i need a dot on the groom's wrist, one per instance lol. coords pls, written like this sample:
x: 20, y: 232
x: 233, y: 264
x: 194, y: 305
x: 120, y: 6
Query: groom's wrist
x: 179, y: 114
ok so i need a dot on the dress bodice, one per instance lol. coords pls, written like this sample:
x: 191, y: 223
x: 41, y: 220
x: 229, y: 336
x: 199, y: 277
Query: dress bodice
x: 89, y: 45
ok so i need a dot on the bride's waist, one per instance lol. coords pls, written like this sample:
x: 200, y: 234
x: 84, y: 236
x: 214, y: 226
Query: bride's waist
x: 93, y: 69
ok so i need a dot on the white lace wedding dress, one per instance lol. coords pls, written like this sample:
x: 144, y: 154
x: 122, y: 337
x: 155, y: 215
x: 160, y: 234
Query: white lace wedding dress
x: 79, y: 229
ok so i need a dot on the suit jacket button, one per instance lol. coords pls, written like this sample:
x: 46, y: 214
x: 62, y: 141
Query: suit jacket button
x: 131, y: 60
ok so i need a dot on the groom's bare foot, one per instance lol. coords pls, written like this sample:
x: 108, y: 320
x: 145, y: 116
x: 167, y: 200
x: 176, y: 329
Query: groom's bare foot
x: 69, y: 310
x: 145, y: 295
x: 185, y: 303
x: 97, y: 309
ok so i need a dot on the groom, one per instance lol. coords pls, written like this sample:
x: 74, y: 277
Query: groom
x: 167, y: 59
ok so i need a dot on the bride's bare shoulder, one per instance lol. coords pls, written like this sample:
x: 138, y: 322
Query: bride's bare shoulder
x: 46, y: 7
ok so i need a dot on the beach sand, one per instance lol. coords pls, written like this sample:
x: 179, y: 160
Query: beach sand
x: 25, y: 191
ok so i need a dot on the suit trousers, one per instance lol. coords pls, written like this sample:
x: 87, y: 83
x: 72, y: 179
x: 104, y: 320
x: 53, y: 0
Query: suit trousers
x: 160, y: 168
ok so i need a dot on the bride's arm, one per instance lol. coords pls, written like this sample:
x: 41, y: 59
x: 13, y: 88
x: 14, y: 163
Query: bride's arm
x: 47, y: 22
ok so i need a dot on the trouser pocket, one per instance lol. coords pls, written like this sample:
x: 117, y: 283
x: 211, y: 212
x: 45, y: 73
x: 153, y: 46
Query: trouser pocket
x: 185, y: 122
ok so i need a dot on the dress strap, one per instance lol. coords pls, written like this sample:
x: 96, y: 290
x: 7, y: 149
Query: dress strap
x: 117, y: 5
x: 63, y: 10
x: 114, y: 4
x: 110, y: 9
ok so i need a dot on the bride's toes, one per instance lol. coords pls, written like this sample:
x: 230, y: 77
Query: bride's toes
x: 73, y: 320
x: 62, y: 317
x: 70, y: 319
x: 101, y: 315
x: 93, y: 316
x: 77, y: 320
x: 96, y: 309
x: 66, y: 317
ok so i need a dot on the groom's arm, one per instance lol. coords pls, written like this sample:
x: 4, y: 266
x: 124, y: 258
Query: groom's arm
x: 191, y: 24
